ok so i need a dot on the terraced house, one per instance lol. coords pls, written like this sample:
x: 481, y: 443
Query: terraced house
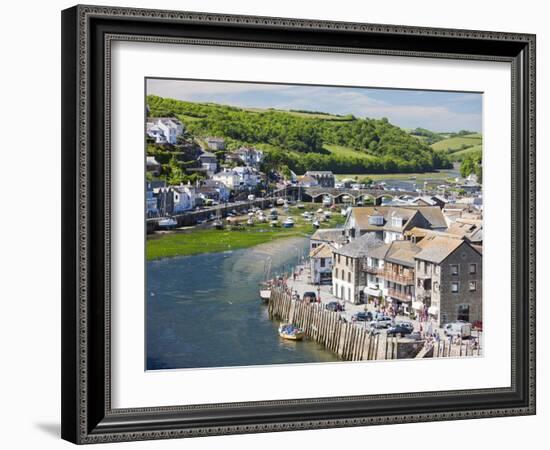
x: 348, y: 277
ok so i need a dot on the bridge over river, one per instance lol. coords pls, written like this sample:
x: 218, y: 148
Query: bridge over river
x: 338, y: 195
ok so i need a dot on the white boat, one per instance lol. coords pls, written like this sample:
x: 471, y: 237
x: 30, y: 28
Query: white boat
x: 344, y: 211
x: 300, y: 206
x: 218, y: 224
x: 250, y: 221
x: 327, y: 214
x: 280, y: 201
x: 320, y: 211
x: 316, y: 223
x: 288, y: 223
x: 265, y: 295
x: 274, y: 223
x: 167, y: 222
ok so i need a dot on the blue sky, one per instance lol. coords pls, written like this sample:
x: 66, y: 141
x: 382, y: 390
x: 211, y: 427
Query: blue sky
x: 434, y: 110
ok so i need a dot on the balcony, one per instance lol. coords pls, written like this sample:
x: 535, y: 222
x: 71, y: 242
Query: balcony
x: 398, y: 278
x: 373, y: 270
x: 400, y: 295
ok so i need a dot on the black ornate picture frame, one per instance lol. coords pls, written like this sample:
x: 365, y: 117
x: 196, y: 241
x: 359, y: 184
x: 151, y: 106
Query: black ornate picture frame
x: 87, y: 35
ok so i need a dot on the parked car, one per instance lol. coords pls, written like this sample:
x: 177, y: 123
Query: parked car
x: 335, y: 306
x: 401, y: 329
x: 310, y: 296
x: 381, y: 321
x: 362, y: 317
x: 458, y: 328
x: 415, y: 335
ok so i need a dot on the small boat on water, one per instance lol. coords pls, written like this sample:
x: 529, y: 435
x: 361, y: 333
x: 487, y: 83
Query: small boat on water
x: 288, y: 223
x: 167, y: 222
x: 290, y: 332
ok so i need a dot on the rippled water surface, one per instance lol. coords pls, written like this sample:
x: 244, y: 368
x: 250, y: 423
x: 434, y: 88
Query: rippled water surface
x: 204, y: 311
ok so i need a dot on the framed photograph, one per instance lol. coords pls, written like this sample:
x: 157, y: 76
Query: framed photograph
x: 282, y: 224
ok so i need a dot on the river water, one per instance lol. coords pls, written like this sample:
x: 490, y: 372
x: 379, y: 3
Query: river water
x: 204, y: 310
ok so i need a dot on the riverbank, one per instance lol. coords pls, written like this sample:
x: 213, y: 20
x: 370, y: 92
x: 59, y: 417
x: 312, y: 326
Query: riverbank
x: 194, y: 241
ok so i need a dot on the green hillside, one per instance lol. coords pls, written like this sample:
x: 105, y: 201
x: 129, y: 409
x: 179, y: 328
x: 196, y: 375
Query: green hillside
x: 458, y: 143
x: 306, y: 140
x: 461, y: 154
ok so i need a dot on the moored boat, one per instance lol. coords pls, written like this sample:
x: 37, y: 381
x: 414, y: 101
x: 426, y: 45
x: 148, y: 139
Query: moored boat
x: 167, y: 222
x: 316, y: 223
x: 288, y: 223
x: 291, y: 332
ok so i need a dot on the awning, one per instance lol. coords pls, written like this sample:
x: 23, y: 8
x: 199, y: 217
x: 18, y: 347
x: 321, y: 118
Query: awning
x: 433, y: 310
x: 418, y: 305
x: 372, y: 291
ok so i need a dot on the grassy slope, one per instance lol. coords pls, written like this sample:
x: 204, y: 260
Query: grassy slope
x: 194, y: 242
x: 346, y: 152
x: 462, y: 153
x: 455, y: 143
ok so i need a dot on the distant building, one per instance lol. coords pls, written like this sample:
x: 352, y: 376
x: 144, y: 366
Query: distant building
x: 165, y: 130
x: 215, y: 143
x: 151, y: 201
x: 239, y: 178
x: 185, y: 198
x: 250, y: 156
x: 153, y: 166
x: 307, y: 181
x: 223, y: 191
x: 325, y: 178
x: 209, y: 162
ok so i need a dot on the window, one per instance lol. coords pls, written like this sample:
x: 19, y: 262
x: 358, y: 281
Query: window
x: 473, y: 268
x: 349, y: 277
x: 349, y: 294
x: 454, y: 269
x: 437, y: 270
x: 473, y: 286
x: 336, y: 276
x: 338, y: 259
x: 463, y: 313
x: 454, y: 287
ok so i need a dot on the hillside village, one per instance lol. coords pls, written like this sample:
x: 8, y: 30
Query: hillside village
x: 398, y: 254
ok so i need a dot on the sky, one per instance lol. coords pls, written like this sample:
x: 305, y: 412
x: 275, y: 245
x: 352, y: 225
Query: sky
x: 434, y: 110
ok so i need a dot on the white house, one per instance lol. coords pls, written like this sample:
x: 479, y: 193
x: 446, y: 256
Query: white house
x: 227, y: 177
x: 320, y: 259
x: 185, y: 198
x: 165, y: 130
x: 238, y: 177
x: 250, y: 156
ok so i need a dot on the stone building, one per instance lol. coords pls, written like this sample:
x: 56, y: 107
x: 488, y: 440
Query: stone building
x: 348, y: 277
x: 324, y: 178
x: 448, y: 279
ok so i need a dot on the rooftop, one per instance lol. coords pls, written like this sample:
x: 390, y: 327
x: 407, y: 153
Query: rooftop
x: 436, y: 248
x: 322, y: 251
x: 329, y: 235
x: 360, y: 247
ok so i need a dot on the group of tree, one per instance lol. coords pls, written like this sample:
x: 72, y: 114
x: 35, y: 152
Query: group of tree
x: 297, y: 141
x: 472, y: 164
